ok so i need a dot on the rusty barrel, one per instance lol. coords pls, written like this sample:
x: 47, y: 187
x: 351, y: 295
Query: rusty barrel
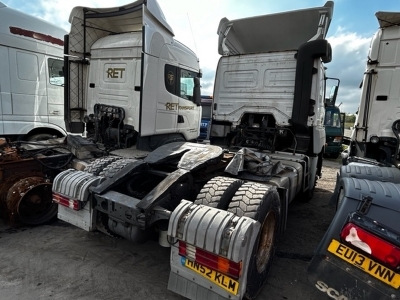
x: 27, y: 198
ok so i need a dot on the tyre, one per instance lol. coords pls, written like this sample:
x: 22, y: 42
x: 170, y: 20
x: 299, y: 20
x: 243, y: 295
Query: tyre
x: 261, y: 203
x: 115, y: 167
x: 218, y: 192
x: 99, y: 164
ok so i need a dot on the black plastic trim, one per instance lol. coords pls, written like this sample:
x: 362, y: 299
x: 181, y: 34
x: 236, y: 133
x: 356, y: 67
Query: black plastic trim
x: 66, y: 83
x: 306, y: 55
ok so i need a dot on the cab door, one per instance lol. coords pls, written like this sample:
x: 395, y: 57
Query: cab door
x: 55, y: 91
x: 189, y: 113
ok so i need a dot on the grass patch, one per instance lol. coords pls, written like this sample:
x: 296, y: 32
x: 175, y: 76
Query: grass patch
x: 348, y: 125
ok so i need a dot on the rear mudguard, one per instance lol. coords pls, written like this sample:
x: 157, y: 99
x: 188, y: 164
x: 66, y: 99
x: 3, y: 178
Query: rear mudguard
x: 75, y: 185
x: 375, y: 206
x: 365, y: 171
x: 216, y: 231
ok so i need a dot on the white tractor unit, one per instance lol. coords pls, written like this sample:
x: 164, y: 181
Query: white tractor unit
x: 128, y: 82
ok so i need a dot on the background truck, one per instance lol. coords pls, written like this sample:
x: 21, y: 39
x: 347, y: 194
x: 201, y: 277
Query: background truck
x: 128, y: 82
x: 334, y: 123
x: 219, y: 206
x: 359, y: 255
x: 206, y: 117
x: 31, y: 80
x: 334, y: 130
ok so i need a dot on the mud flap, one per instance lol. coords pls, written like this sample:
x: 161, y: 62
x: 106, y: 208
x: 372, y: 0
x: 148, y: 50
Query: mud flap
x: 215, y: 231
x: 75, y: 185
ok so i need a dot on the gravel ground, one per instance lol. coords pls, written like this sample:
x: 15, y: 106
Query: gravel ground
x: 59, y: 261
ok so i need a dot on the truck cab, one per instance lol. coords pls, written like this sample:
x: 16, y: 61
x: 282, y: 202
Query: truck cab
x: 130, y: 83
x: 334, y: 131
x: 269, y: 88
x: 373, y: 136
x: 32, y: 79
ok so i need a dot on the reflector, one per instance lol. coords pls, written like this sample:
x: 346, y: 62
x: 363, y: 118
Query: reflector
x: 377, y: 247
x: 64, y: 201
x: 210, y: 260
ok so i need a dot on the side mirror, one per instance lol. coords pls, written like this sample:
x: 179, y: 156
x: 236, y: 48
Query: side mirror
x: 196, y: 91
x: 333, y: 94
x: 331, y: 100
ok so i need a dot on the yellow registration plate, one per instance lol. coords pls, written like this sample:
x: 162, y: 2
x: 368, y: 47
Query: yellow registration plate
x: 364, y: 263
x: 223, y: 281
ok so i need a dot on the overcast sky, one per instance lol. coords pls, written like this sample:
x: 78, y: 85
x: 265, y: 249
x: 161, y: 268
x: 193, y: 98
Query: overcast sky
x: 195, y: 24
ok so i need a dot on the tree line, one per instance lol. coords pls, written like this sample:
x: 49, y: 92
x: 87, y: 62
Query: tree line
x: 350, y: 118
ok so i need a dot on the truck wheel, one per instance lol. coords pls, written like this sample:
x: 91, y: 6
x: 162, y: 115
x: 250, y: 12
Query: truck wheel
x: 115, y: 167
x: 99, y: 164
x: 218, y: 192
x: 259, y: 202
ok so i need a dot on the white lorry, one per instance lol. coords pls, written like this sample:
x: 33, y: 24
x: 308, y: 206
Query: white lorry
x: 129, y: 83
x: 31, y: 81
x: 359, y: 255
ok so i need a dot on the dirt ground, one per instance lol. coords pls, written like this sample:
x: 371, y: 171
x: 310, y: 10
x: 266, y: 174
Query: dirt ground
x: 59, y: 261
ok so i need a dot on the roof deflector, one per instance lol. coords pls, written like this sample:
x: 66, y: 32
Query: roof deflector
x: 111, y: 18
x: 274, y: 32
x: 387, y: 19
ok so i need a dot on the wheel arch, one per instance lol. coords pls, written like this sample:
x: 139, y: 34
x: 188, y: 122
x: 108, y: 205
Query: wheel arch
x: 42, y: 130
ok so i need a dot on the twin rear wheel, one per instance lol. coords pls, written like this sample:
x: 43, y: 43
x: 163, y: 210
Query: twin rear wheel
x: 97, y: 166
x: 107, y: 167
x: 256, y: 201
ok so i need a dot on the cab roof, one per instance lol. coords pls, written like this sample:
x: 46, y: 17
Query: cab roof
x: 274, y: 32
x: 388, y: 19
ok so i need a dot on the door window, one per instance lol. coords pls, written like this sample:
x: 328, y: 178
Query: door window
x: 180, y: 82
x: 56, y: 74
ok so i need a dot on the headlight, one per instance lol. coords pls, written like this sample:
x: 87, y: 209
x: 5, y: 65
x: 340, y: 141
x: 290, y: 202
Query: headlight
x: 374, y: 139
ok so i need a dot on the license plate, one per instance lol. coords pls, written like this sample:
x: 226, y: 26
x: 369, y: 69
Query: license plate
x: 222, y: 280
x: 364, y: 263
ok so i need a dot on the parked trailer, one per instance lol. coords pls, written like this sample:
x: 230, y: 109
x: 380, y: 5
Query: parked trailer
x: 31, y: 80
x: 221, y: 211
x: 359, y: 255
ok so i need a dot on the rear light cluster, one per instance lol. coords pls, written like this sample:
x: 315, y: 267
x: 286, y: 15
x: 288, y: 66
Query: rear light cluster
x: 378, y: 248
x: 210, y: 260
x: 64, y: 201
